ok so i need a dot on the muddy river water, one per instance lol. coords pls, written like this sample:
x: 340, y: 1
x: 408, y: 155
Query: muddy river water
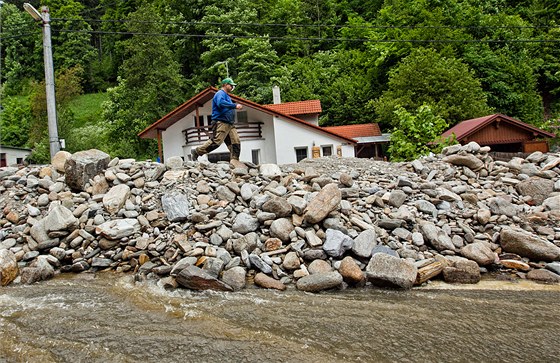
x: 110, y: 318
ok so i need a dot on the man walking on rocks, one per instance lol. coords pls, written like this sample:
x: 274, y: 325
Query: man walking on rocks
x: 223, y: 128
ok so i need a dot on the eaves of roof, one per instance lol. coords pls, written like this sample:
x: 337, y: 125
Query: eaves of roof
x: 468, y: 127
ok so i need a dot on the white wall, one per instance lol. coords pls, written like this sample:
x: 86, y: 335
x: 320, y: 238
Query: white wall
x: 12, y: 154
x: 290, y: 135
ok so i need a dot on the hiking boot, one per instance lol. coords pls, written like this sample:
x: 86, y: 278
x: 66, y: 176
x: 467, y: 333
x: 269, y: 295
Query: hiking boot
x: 237, y: 164
x: 194, y: 154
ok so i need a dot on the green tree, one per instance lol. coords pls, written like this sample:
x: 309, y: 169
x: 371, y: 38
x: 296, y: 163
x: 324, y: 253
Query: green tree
x: 417, y: 134
x: 149, y: 87
x: 20, y: 63
x: 15, y: 121
x: 444, y: 83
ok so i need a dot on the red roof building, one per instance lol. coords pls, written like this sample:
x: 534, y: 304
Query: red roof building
x: 369, y: 137
x: 502, y: 133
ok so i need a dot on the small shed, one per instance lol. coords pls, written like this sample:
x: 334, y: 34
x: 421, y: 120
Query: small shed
x: 502, y: 133
x: 11, y: 155
x: 370, y: 140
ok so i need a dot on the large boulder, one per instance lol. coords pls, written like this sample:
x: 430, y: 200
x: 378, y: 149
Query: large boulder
x: 528, y: 245
x: 59, y: 160
x: 83, y: 166
x: 468, y: 160
x: 364, y: 243
x: 389, y: 271
x: 39, y: 270
x: 8, y: 267
x: 327, y: 200
x: 479, y: 252
x: 319, y: 282
x: 537, y: 188
x: 195, y: 278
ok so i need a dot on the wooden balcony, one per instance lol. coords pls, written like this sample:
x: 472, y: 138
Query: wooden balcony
x: 246, y: 131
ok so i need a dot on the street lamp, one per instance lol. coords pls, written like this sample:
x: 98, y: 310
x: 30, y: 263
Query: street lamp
x: 44, y: 18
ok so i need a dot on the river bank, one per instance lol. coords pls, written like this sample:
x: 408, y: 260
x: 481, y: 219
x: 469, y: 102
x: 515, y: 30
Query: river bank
x: 317, y: 225
x: 108, y: 317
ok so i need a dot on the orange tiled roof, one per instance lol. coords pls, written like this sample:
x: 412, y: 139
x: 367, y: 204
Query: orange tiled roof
x: 352, y: 131
x: 297, y: 108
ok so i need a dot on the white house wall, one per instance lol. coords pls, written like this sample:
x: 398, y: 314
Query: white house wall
x: 13, y: 154
x: 290, y: 135
x: 279, y: 138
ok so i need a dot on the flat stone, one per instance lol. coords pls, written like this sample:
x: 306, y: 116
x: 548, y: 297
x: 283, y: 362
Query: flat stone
x: 319, y: 282
x: 268, y: 282
x: 115, y: 198
x: 176, y: 206
x: 195, y: 278
x: 327, y: 200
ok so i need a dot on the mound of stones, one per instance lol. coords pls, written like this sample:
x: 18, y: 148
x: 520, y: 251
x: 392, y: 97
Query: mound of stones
x: 320, y: 224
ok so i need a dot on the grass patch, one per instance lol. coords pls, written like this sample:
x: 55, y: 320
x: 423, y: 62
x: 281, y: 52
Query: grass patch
x: 87, y: 108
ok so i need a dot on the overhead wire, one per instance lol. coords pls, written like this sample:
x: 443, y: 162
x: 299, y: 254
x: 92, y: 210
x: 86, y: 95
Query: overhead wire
x: 313, y: 25
x: 218, y: 36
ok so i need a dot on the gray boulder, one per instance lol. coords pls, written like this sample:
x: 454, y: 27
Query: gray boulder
x: 537, y: 188
x: 115, y: 198
x: 235, y: 277
x: 463, y: 271
x: 195, y: 278
x: 364, y: 243
x: 480, y: 253
x: 468, y: 160
x: 528, y: 245
x: 245, y: 223
x: 336, y: 243
x: 83, y: 166
x: 319, y: 282
x: 389, y: 271
x: 176, y: 206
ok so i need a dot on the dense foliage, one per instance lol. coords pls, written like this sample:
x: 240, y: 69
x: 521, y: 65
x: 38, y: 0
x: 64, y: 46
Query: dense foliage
x: 383, y: 61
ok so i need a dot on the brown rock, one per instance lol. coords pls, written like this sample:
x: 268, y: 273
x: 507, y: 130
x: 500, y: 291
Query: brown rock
x: 268, y: 282
x: 143, y: 258
x: 272, y: 244
x: 8, y: 267
x: 13, y: 217
x: 543, y: 276
x: 462, y: 272
x: 319, y: 266
x: 351, y: 272
x: 327, y: 200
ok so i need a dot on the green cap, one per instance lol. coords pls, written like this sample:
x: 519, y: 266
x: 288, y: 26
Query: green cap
x: 228, y: 81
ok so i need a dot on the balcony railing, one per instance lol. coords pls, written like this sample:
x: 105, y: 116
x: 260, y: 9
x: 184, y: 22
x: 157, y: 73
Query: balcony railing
x: 246, y: 131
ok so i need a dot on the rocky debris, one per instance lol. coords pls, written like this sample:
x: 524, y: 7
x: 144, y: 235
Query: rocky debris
x: 319, y: 224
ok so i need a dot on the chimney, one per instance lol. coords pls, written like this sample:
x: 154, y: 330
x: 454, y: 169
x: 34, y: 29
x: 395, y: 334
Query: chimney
x: 276, y: 95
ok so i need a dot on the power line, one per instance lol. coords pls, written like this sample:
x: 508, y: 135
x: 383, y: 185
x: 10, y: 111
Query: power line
x: 16, y: 36
x: 312, y: 25
x: 187, y: 35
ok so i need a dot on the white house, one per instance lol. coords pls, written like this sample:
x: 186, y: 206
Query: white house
x: 11, y: 155
x: 267, y: 134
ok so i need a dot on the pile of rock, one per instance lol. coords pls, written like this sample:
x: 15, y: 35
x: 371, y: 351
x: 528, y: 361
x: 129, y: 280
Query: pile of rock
x: 320, y: 224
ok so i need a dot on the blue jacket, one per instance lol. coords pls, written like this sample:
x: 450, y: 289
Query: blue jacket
x: 223, y: 109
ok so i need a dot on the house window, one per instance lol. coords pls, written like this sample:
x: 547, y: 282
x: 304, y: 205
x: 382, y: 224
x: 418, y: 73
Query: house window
x: 327, y: 150
x: 301, y: 153
x: 209, y: 120
x: 242, y: 117
x: 3, y: 161
x: 19, y: 161
x: 200, y: 120
x: 255, y: 156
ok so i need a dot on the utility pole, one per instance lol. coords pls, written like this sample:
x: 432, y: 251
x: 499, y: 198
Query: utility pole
x: 44, y: 18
